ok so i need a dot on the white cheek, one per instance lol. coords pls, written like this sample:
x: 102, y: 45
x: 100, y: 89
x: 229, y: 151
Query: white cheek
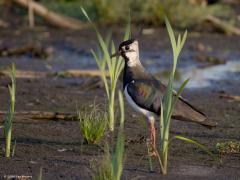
x: 132, y: 59
x: 132, y: 55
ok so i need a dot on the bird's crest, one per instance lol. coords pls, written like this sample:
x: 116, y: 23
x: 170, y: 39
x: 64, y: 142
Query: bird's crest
x: 125, y: 43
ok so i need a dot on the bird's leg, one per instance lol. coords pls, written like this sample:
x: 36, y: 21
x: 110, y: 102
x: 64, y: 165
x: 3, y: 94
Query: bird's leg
x: 153, y: 139
x: 153, y: 135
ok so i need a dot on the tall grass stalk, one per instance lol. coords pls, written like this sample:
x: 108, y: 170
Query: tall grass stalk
x: 168, y: 102
x: 168, y: 99
x: 111, y: 166
x: 9, y: 119
x: 117, y: 157
x: 114, y: 66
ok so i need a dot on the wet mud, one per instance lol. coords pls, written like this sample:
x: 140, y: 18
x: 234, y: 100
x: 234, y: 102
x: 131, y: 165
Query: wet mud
x: 58, y: 147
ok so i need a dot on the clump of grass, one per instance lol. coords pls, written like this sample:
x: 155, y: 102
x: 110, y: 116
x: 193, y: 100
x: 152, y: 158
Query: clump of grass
x: 92, y: 124
x: 114, y: 66
x: 229, y: 147
x: 8, y: 123
x: 111, y: 166
x: 168, y: 102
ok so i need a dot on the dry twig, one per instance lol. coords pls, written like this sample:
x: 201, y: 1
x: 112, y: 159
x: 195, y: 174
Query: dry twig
x: 52, y: 17
x: 223, y: 26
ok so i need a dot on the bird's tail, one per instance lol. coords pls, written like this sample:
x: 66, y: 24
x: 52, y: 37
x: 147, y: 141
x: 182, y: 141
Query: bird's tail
x: 186, y: 112
x: 209, y: 123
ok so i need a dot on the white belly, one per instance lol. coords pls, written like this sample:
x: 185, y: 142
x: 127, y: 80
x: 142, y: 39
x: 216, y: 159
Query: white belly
x: 137, y: 108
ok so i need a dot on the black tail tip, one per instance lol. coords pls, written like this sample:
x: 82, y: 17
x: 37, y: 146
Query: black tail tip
x: 209, y: 124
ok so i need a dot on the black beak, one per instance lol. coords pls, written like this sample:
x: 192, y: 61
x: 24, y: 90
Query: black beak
x: 118, y: 53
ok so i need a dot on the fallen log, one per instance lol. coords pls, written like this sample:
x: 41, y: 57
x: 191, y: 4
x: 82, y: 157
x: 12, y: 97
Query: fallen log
x: 229, y: 97
x: 30, y: 14
x: 221, y: 25
x: 25, y: 74
x: 50, y: 16
x: 44, y: 115
x: 36, y: 50
x: 80, y: 73
x: 67, y: 73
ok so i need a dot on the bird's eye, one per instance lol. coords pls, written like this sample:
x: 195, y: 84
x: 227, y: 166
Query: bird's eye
x: 127, y: 48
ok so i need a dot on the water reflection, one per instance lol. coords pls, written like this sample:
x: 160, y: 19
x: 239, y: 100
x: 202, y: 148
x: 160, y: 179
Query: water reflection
x: 203, y: 77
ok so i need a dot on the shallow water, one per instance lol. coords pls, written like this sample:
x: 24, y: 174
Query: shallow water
x: 200, y: 76
x: 203, y: 77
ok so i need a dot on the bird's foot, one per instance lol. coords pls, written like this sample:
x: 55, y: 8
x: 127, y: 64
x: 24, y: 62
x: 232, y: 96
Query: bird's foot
x: 152, y: 151
x: 153, y: 154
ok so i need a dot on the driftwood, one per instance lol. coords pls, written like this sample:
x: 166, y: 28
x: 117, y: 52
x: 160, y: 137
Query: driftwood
x: 25, y: 74
x: 44, y: 115
x: 223, y: 26
x: 50, y: 16
x: 36, y: 50
x: 81, y: 73
x: 30, y: 14
x: 229, y: 97
x: 67, y: 73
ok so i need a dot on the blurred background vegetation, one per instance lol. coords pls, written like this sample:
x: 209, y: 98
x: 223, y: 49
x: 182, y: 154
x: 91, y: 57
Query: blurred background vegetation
x: 182, y: 13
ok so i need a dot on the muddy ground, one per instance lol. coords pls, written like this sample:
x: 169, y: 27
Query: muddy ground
x: 57, y: 146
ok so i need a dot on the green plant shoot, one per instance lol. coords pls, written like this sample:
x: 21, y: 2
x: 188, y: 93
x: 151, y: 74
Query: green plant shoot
x: 9, y: 119
x: 169, y: 100
x: 117, y: 157
x: 112, y: 67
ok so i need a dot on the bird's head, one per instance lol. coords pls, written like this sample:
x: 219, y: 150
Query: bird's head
x: 128, y: 50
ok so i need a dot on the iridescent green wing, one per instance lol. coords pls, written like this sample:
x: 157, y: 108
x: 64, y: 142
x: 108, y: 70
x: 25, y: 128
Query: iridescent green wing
x: 145, y: 94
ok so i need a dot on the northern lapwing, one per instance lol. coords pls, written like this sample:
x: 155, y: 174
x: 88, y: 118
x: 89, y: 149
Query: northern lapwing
x: 145, y: 93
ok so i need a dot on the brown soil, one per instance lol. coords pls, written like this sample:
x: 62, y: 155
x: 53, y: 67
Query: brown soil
x: 57, y: 146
